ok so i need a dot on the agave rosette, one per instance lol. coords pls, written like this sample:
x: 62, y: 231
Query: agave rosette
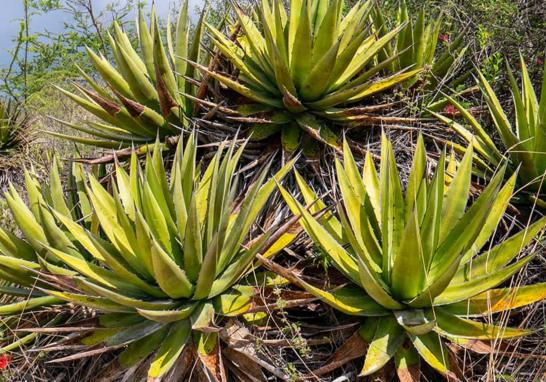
x: 14, y: 127
x: 304, y: 72
x: 159, y: 258
x: 523, y: 141
x: 417, y: 262
x: 144, y: 98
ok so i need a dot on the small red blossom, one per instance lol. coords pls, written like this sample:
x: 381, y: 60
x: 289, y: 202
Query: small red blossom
x: 4, y: 361
x: 443, y: 37
x: 540, y: 61
x: 450, y: 110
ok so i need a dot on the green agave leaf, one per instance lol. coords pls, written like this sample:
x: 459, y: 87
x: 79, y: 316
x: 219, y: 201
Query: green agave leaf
x: 127, y: 300
x: 320, y: 235
x: 456, y: 197
x: 142, y: 348
x: 95, y: 302
x: 168, y: 316
x: 433, y: 351
x: 235, y: 301
x: 170, y: 277
x: 392, y: 207
x: 499, y: 256
x: 301, y: 44
x: 454, y: 326
x: 459, y: 292
x: 387, y: 339
x: 498, y: 300
x: 28, y: 305
x: 202, y: 318
x: 497, y: 211
x: 133, y: 333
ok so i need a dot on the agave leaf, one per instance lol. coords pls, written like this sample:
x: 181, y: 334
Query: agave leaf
x: 431, y: 348
x: 181, y: 46
x: 25, y: 219
x: 168, y: 316
x: 316, y: 83
x: 477, y: 142
x: 454, y: 326
x: 456, y: 196
x: 415, y: 321
x: 203, y: 317
x: 320, y: 235
x: 169, y: 351
x: 170, y: 277
x: 301, y: 44
x: 142, y: 348
x: 407, y: 363
x: 126, y: 300
x: 430, y: 230
x: 96, y: 273
x: 459, y: 292
x: 465, y: 232
x: 498, y: 256
x: 107, y: 144
x: 361, y: 60
x: 371, y: 180
x: 392, y: 207
x: 193, y: 247
x: 498, y: 300
x: 360, y: 92
x: 387, y: 339
x: 415, y: 181
x: 99, y: 303
x: 408, y: 272
x: 28, y: 305
x: 241, y: 89
x: 317, y: 205
x: 111, y: 75
x: 235, y: 301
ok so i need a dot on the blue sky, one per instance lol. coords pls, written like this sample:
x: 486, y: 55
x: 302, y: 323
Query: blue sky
x: 13, y: 12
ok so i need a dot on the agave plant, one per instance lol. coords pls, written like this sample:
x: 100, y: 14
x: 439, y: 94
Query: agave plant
x: 417, y: 43
x: 304, y: 72
x: 523, y: 141
x: 144, y: 98
x: 417, y: 262
x: 14, y: 127
x: 158, y: 259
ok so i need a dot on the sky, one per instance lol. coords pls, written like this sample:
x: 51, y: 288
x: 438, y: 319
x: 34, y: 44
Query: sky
x: 12, y: 12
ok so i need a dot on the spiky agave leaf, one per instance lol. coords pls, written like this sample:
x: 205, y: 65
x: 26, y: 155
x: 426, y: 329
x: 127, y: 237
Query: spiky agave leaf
x: 142, y: 99
x: 303, y: 68
x: 158, y: 258
x: 417, y: 46
x: 523, y: 141
x: 14, y: 126
x: 417, y: 258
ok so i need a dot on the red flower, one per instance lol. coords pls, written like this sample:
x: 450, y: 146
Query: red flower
x: 443, y: 37
x: 450, y: 110
x: 4, y: 361
x: 540, y: 61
